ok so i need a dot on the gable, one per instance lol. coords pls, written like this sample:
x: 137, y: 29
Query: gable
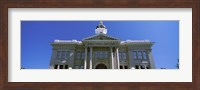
x: 100, y: 37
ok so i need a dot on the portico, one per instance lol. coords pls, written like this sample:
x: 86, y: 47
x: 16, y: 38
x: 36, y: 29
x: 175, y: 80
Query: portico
x: 114, y: 63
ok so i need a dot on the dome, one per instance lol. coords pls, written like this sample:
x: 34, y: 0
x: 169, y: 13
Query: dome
x: 100, y: 25
x: 101, y: 29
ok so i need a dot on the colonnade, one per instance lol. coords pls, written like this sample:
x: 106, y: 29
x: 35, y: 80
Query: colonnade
x: 113, y: 65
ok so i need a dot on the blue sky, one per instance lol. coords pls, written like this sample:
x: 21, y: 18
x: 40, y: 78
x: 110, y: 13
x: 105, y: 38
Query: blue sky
x: 37, y: 35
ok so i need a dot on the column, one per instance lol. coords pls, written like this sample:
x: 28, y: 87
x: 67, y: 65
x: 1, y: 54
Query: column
x: 111, y: 53
x: 90, y: 57
x: 118, y: 64
x: 85, y: 61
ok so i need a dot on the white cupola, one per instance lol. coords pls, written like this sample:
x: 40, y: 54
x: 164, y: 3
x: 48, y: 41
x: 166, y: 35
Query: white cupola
x: 101, y: 29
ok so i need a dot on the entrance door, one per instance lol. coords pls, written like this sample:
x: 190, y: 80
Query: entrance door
x: 101, y: 66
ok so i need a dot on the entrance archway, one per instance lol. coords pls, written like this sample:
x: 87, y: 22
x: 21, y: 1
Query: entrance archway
x: 101, y: 66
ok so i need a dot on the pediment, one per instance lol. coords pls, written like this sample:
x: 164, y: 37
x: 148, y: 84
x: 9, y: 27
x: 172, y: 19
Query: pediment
x: 100, y: 37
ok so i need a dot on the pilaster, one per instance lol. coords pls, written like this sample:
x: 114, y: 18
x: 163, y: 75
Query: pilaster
x: 151, y: 60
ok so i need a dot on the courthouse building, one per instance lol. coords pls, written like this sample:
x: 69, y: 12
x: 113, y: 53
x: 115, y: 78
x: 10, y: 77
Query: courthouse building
x: 102, y: 51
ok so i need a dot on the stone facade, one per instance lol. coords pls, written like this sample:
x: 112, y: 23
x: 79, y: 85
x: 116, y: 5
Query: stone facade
x: 102, y: 51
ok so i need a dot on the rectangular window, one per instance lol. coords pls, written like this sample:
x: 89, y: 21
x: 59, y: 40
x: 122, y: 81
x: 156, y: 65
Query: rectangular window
x: 56, y: 67
x: 61, y: 67
x: 124, y: 56
x: 120, y: 55
x: 58, y: 54
x: 134, y: 55
x: 83, y: 56
x: 95, y: 55
x: 101, y: 55
x: 78, y: 55
x: 139, y: 54
x: 66, y: 67
x: 144, y: 55
x: 106, y: 55
x: 63, y: 54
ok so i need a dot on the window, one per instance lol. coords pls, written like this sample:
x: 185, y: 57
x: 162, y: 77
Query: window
x: 95, y: 55
x: 139, y: 54
x: 78, y: 55
x: 106, y: 54
x: 124, y: 56
x: 56, y: 67
x: 101, y: 55
x: 134, y: 55
x: 120, y: 55
x: 144, y: 55
x: 63, y: 54
x: 61, y: 67
x: 58, y: 54
x: 83, y: 56
x: 66, y: 66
